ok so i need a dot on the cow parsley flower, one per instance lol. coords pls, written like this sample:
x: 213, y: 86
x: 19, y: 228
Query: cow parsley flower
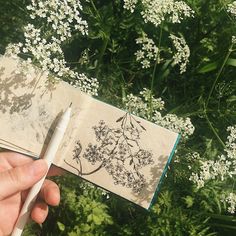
x: 231, y: 143
x: 140, y: 105
x: 149, y: 51
x: 12, y: 50
x: 63, y: 16
x: 86, y: 85
x: 130, y: 5
x: 232, y: 8
x: 231, y: 202
x: 233, y: 39
x: 43, y: 45
x: 157, y: 11
x: 181, y: 57
x: 147, y: 106
x: 223, y: 167
x: 177, y: 124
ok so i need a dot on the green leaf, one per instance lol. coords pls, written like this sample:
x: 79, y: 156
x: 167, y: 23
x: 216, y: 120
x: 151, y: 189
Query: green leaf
x: 224, y: 226
x: 85, y: 228
x: 231, y: 62
x: 231, y: 99
x: 97, y: 220
x: 208, y: 68
x: 228, y: 218
x: 61, y: 226
x: 189, y: 201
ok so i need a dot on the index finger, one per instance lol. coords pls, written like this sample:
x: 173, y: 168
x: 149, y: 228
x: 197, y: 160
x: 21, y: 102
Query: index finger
x: 15, y: 159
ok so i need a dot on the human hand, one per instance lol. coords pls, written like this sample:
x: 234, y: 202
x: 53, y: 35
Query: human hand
x: 18, y: 173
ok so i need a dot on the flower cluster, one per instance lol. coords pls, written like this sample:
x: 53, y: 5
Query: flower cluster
x: 140, y: 105
x: 231, y: 144
x: 156, y: 11
x: 44, y: 47
x: 177, y: 124
x: 224, y: 166
x: 232, y: 8
x: 12, y: 50
x: 149, y: 51
x: 211, y: 170
x: 233, y: 39
x: 231, y: 202
x: 86, y: 85
x: 148, y: 107
x: 130, y: 5
x: 143, y: 158
x: 181, y: 57
x: 63, y: 16
x: 126, y: 177
x: 93, y: 154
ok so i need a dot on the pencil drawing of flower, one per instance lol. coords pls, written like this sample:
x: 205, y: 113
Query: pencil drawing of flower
x: 118, y: 151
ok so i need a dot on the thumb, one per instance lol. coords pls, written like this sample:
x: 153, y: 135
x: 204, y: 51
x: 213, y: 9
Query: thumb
x: 21, y: 178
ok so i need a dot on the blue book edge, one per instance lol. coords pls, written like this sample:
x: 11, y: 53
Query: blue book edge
x: 164, y: 172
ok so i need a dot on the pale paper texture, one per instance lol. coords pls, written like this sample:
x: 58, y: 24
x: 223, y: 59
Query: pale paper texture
x: 103, y: 144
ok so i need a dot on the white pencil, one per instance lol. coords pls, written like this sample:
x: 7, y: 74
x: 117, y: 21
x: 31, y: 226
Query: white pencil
x: 48, y: 157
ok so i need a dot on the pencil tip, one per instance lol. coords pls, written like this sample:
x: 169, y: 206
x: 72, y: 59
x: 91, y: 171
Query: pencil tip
x: 70, y: 104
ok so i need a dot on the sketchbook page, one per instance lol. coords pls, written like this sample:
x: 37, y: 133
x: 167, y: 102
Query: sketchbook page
x: 30, y: 107
x: 119, y: 152
x: 107, y: 146
x: 13, y: 148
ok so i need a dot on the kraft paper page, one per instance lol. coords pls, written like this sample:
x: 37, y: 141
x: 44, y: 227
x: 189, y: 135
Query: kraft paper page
x: 103, y: 144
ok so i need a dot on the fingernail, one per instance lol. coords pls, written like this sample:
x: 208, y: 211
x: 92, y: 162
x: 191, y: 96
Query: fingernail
x: 38, y: 167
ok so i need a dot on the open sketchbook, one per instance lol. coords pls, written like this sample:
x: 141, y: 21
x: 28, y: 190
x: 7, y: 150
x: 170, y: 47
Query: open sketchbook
x: 103, y: 144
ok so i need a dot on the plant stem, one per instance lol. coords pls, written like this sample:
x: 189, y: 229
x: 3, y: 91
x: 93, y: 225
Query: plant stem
x: 218, y: 74
x: 210, y: 94
x: 96, y: 10
x: 151, y: 92
x: 105, y: 41
x: 214, y: 131
x: 101, y: 54
x: 153, y: 75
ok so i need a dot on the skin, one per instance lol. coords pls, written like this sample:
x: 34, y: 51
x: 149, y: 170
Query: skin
x: 18, y: 173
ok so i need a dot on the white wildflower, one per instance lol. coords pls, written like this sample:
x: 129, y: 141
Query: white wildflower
x: 12, y: 50
x: 63, y: 16
x: 157, y: 11
x: 231, y: 202
x: 44, y: 47
x: 140, y: 105
x: 193, y: 156
x: 233, y: 39
x: 231, y: 8
x: 148, y: 107
x: 87, y: 85
x: 181, y: 57
x: 198, y: 180
x: 231, y: 143
x: 149, y: 51
x: 223, y: 167
x: 177, y: 124
x: 130, y: 5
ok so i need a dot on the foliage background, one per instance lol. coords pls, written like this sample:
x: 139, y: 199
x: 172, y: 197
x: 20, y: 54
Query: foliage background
x: 180, y: 209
